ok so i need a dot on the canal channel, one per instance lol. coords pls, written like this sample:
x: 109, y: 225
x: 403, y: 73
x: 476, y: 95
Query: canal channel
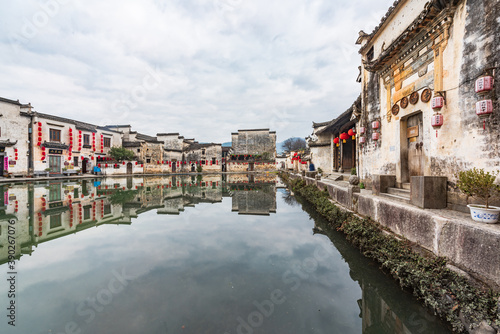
x: 188, y: 254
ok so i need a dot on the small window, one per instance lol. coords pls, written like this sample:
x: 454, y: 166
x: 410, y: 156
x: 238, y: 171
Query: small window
x: 138, y: 150
x: 86, y: 212
x: 86, y: 139
x: 107, y: 209
x: 107, y: 142
x: 55, y: 221
x: 214, y: 161
x: 203, y: 151
x: 55, y: 192
x: 370, y: 54
x: 75, y: 161
x: 55, y: 135
x: 148, y: 161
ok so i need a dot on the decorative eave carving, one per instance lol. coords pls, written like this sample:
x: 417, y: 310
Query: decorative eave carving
x: 439, y: 5
x: 431, y: 22
x: 7, y: 143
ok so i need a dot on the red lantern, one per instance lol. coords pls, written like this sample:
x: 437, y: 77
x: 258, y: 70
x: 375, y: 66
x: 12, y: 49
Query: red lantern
x: 375, y: 136
x: 437, y: 102
x: 437, y: 121
x: 484, y: 108
x: 352, y: 133
x: 362, y: 130
x: 336, y: 141
x: 343, y: 136
x: 375, y: 125
x: 484, y: 84
x: 362, y: 140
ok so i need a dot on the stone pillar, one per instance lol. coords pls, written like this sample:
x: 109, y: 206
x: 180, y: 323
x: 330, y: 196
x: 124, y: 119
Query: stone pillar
x: 380, y: 183
x: 341, y: 169
x: 429, y: 192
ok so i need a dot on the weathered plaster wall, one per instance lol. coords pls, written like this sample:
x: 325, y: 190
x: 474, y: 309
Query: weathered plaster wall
x: 404, y: 16
x: 321, y: 157
x: 14, y: 127
x: 254, y: 142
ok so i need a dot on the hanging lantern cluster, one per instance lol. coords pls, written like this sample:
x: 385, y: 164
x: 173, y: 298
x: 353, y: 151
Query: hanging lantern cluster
x: 437, y: 120
x: 70, y: 148
x: 15, y: 154
x: 484, y: 107
x: 43, y: 153
x: 362, y: 131
x: 79, y: 140
x: 102, y: 143
x: 93, y: 141
x: 375, y: 135
x: 39, y: 141
x: 40, y: 224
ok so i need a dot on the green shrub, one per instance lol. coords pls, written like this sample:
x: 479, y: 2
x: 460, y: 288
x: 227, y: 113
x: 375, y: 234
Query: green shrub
x: 120, y: 153
x: 478, y: 183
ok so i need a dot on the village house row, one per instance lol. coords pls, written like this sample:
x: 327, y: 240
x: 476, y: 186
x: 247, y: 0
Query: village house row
x: 36, y: 144
x: 429, y: 102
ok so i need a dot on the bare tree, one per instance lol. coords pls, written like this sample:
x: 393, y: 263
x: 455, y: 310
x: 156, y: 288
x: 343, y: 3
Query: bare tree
x: 294, y: 144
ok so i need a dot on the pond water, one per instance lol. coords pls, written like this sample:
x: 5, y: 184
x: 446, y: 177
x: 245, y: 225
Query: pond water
x: 219, y: 254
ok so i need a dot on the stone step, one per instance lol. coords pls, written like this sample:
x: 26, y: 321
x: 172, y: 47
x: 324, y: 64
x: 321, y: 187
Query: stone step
x: 399, y: 192
x: 396, y: 197
x: 336, y: 177
x: 406, y: 186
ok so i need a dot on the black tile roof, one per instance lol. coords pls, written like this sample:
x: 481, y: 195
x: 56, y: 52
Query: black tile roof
x: 10, y: 101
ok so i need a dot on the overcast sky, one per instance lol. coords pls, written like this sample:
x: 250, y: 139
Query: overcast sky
x: 203, y: 68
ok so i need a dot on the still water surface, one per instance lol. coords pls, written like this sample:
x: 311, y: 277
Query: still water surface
x: 232, y: 254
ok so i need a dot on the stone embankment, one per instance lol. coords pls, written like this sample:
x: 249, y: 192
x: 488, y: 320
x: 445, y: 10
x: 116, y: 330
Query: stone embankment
x: 452, y: 241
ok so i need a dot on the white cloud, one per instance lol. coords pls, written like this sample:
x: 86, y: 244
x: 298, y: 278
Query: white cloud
x: 221, y: 65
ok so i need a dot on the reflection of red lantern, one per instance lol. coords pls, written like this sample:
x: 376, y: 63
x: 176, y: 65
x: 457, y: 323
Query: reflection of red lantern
x: 352, y: 133
x: 343, y: 136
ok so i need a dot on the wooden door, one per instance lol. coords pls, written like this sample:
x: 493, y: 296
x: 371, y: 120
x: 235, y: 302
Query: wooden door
x: 347, y: 155
x: 416, y: 157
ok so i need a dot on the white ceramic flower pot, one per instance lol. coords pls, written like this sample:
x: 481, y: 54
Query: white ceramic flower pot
x: 479, y: 213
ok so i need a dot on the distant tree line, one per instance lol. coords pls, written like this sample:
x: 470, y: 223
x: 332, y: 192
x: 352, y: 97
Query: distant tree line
x: 294, y: 144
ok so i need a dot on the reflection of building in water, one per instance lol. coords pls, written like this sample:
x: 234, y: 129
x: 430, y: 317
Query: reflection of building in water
x: 48, y: 210
x: 14, y: 212
x: 253, y: 199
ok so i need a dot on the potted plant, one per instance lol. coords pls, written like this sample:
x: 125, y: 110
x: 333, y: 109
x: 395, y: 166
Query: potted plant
x: 478, y: 183
x: 318, y: 176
